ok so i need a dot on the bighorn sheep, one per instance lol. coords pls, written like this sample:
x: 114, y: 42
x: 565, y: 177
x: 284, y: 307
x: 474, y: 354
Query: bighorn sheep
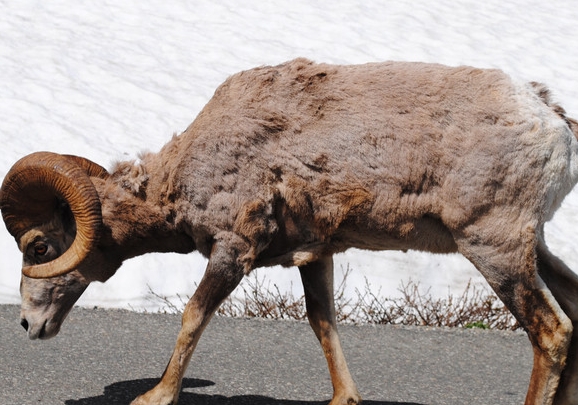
x: 293, y: 163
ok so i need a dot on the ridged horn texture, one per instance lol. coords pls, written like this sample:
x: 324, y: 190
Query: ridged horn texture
x: 31, y: 193
x: 91, y: 168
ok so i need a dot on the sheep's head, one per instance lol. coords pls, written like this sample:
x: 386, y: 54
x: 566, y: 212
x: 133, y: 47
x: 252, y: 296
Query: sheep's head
x: 52, y: 209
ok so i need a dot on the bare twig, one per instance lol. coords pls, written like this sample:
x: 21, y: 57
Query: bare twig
x: 475, y: 307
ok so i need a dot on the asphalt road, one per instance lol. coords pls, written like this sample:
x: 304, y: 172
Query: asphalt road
x: 109, y: 357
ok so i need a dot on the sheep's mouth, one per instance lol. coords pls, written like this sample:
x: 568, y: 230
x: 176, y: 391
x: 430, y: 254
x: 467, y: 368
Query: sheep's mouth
x: 43, y: 331
x: 34, y: 331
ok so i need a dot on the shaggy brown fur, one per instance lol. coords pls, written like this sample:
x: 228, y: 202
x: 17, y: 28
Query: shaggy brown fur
x: 293, y: 163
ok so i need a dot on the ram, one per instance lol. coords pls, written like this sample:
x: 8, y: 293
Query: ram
x: 293, y: 163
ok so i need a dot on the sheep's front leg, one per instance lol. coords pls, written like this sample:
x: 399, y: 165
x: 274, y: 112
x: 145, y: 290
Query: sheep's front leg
x: 222, y: 275
x: 317, y: 280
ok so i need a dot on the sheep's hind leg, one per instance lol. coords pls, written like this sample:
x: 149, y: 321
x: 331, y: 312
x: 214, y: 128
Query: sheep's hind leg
x: 222, y: 275
x: 317, y: 280
x: 511, y: 270
x: 563, y: 283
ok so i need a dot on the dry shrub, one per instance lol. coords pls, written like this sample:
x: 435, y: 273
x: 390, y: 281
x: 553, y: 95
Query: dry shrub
x: 263, y: 302
x: 475, y: 307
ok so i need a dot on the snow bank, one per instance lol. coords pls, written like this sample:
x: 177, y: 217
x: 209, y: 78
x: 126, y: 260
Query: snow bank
x: 109, y: 79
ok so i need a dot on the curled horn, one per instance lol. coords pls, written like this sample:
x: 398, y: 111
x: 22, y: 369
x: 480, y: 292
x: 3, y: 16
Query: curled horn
x: 31, y: 193
x: 91, y: 168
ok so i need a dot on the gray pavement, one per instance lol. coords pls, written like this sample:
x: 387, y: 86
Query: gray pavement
x: 109, y: 357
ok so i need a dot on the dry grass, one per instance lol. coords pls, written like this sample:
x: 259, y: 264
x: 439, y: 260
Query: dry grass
x: 474, y: 308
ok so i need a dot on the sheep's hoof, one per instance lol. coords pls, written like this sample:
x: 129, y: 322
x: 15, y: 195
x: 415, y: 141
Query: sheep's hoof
x: 354, y: 399
x: 153, y: 397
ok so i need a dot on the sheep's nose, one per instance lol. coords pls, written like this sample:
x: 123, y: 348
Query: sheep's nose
x: 24, y: 323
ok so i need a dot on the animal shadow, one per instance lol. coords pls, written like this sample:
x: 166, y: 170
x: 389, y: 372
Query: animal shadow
x: 125, y: 391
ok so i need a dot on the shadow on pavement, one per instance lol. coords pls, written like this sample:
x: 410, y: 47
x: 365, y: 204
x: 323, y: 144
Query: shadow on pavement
x: 125, y: 391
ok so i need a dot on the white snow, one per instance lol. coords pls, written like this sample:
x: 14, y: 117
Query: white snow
x: 109, y: 79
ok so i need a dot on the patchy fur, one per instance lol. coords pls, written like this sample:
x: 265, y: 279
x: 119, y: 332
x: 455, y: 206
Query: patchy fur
x: 290, y: 164
x: 132, y: 177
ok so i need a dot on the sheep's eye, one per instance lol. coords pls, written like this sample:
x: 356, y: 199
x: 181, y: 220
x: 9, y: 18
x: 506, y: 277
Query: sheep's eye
x: 40, y: 249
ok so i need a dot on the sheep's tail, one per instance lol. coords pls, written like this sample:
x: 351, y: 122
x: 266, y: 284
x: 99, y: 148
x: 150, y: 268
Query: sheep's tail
x: 573, y: 124
x: 544, y: 93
